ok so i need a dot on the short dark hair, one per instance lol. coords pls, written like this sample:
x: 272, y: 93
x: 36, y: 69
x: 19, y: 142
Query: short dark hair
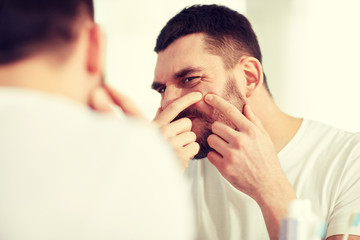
x: 28, y: 25
x: 228, y: 33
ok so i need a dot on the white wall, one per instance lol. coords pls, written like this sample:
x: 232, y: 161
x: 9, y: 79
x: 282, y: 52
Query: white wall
x: 311, y: 54
x: 131, y: 28
x: 333, y: 63
x: 310, y: 49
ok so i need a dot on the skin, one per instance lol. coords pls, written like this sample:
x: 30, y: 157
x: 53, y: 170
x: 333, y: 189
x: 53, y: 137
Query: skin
x: 179, y: 133
x: 78, y: 76
x: 340, y: 237
x: 246, y: 146
x: 185, y: 79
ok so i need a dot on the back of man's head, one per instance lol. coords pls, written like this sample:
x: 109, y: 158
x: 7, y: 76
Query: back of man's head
x: 27, y: 27
x: 228, y: 33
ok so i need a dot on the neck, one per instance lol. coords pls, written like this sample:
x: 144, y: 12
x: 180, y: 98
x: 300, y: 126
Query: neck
x: 280, y: 126
x: 40, y: 73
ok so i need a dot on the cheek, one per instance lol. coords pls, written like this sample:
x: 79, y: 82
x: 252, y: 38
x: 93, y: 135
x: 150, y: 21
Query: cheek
x: 202, y: 105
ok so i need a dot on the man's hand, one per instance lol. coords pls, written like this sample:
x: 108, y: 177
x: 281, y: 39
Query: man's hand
x: 179, y: 133
x: 106, y: 99
x: 246, y: 157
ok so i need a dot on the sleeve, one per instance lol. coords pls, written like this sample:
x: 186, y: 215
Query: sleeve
x: 347, y: 202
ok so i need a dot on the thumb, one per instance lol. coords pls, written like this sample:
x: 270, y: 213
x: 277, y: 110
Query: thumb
x: 249, y: 114
x: 100, y: 101
x: 127, y: 105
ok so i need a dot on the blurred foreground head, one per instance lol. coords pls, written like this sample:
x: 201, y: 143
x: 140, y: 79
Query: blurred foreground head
x: 55, y: 39
x: 27, y: 27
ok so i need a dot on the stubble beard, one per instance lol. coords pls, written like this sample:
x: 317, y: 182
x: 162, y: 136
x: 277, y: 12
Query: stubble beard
x: 202, y: 122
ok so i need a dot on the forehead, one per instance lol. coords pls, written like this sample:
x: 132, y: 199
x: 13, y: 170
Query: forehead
x: 186, y: 52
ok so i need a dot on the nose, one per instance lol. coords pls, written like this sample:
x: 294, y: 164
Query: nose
x: 171, y: 94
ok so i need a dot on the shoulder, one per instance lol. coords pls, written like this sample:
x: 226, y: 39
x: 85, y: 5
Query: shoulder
x: 330, y: 136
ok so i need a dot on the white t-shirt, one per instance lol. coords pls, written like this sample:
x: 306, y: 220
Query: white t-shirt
x: 321, y: 162
x: 69, y: 173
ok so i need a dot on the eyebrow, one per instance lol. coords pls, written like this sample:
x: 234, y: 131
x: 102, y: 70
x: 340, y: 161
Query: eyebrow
x: 186, y: 71
x: 157, y: 85
x: 178, y: 75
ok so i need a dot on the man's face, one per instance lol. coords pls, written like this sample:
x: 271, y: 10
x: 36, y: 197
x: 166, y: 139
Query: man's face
x: 186, y: 66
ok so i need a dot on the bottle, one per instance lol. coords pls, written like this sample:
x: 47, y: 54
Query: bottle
x: 354, y: 222
x: 301, y: 223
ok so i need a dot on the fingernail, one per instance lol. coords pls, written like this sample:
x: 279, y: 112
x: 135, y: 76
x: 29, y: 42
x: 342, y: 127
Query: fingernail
x: 198, y: 94
x: 209, y: 97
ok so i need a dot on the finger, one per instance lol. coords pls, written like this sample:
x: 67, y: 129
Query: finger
x: 99, y: 100
x: 177, y: 127
x: 224, y: 131
x: 216, y: 159
x: 229, y: 111
x: 127, y: 105
x: 249, y: 114
x: 170, y: 112
x: 182, y: 140
x: 217, y: 143
x: 189, y: 151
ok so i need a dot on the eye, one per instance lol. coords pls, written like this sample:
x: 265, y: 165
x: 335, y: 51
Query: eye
x: 189, y: 79
x: 161, y: 90
x: 190, y: 82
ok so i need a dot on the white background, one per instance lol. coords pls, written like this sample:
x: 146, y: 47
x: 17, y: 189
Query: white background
x: 310, y: 49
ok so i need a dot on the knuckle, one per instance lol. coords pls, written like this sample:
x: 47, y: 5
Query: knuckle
x: 225, y: 167
x: 238, y: 142
x: 187, y: 122
x: 231, y: 157
x: 192, y: 136
x: 228, y: 169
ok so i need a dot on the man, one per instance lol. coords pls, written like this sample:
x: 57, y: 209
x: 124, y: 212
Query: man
x: 66, y: 171
x: 254, y: 159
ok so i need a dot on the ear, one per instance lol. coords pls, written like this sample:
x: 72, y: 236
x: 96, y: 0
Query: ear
x: 253, y: 74
x: 95, y: 55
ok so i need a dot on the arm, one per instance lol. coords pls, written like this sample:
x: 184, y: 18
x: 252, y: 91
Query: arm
x: 245, y: 156
x: 340, y: 237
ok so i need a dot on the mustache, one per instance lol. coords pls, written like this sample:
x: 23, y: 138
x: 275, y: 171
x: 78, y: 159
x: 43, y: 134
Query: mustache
x: 191, y: 112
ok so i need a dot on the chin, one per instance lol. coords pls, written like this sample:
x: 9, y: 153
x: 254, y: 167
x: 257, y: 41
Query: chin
x: 200, y: 156
x: 202, y: 132
x: 199, y: 127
